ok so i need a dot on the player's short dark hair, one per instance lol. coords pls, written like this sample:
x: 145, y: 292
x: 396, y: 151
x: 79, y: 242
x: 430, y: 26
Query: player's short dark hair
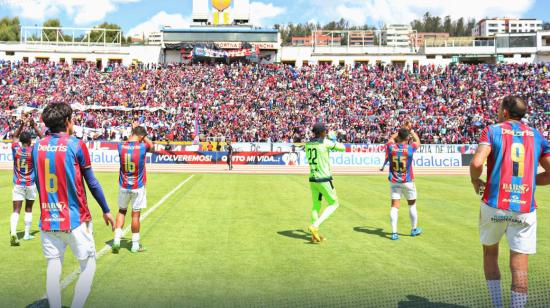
x: 516, y: 107
x: 55, y: 116
x: 139, y: 131
x: 403, y: 134
x: 25, y: 138
x: 318, y: 128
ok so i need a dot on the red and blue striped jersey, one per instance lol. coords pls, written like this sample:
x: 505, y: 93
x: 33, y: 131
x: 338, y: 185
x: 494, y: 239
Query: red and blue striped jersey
x: 59, y: 160
x: 23, y: 166
x: 516, y: 150
x: 132, y: 173
x: 400, y: 157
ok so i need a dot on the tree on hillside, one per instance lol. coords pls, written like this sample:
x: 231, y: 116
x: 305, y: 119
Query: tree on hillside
x: 546, y: 25
x: 430, y: 23
x: 10, y: 29
x: 111, y: 36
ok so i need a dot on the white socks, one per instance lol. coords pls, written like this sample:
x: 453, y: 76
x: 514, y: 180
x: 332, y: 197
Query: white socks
x: 326, y: 214
x: 84, y: 283
x: 518, y: 300
x: 394, y: 214
x: 53, y: 282
x: 118, y: 236
x: 13, y: 223
x: 135, y: 241
x: 28, y: 223
x: 496, y: 292
x: 414, y: 216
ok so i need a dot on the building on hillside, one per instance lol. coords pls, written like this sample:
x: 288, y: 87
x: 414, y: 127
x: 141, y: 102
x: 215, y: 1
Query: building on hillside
x: 318, y: 39
x: 421, y: 37
x: 397, y: 35
x: 493, y: 26
x: 361, y: 38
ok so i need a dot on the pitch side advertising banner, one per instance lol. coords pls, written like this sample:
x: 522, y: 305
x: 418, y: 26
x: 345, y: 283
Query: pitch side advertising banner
x: 370, y: 156
x: 239, y: 158
x: 425, y: 148
x: 350, y: 159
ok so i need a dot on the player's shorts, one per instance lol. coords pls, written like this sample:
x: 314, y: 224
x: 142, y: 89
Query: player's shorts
x: 135, y: 197
x: 81, y: 241
x: 22, y: 193
x: 407, y: 189
x: 323, y: 190
x: 520, y: 228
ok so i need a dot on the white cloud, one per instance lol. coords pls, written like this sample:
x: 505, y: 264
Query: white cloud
x: 82, y: 12
x: 158, y: 21
x: 404, y: 11
x: 260, y: 11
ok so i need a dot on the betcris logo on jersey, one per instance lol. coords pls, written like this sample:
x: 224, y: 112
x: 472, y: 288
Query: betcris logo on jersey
x: 437, y: 160
x: 52, y: 148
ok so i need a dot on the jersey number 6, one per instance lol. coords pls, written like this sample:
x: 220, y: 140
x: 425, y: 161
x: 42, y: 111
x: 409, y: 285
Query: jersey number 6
x: 51, y: 179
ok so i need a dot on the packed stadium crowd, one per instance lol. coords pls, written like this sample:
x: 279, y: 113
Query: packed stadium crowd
x: 278, y: 103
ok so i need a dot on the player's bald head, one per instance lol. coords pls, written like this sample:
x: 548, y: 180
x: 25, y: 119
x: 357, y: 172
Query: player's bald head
x: 515, y: 107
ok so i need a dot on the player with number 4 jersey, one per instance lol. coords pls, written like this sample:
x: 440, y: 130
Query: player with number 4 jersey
x: 400, y: 155
x: 132, y: 180
x: 320, y: 176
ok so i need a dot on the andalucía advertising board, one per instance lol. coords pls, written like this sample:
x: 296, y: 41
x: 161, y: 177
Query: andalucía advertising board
x: 238, y: 158
x: 351, y: 159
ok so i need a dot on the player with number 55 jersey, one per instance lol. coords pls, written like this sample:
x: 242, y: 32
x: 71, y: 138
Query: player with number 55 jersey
x: 320, y: 176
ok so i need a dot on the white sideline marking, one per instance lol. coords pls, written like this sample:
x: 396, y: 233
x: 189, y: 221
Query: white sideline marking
x: 72, y: 276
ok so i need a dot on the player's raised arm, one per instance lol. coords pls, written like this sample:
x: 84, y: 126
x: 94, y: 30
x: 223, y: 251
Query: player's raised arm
x: 333, y: 144
x: 18, y: 131
x: 33, y: 124
x: 416, y: 139
x: 149, y: 143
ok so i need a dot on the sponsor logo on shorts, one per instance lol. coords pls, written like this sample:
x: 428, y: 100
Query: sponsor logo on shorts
x: 509, y: 219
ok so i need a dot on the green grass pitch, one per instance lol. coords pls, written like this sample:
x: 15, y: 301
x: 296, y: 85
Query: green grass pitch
x: 230, y: 240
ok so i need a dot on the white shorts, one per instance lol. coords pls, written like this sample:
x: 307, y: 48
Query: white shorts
x: 22, y: 193
x: 136, y: 197
x: 406, y: 189
x: 80, y: 239
x: 520, y: 229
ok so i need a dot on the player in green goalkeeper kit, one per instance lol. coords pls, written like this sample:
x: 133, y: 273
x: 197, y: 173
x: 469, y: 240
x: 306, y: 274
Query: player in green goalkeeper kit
x: 320, y: 176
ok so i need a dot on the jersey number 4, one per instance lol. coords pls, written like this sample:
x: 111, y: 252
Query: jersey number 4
x: 312, y: 156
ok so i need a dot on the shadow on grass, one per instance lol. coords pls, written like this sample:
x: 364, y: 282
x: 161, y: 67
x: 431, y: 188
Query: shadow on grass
x: 373, y: 231
x: 41, y: 303
x: 414, y: 301
x: 124, y: 244
x: 21, y: 234
x: 297, y: 234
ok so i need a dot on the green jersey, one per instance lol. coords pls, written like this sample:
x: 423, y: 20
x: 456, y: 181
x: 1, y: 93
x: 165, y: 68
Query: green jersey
x: 317, y: 154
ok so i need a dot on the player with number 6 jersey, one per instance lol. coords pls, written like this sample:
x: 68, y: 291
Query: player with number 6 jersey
x: 400, y: 156
x: 132, y: 180
x: 62, y: 163
x: 320, y: 177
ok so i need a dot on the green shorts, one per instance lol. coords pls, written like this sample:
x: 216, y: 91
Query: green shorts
x: 323, y: 190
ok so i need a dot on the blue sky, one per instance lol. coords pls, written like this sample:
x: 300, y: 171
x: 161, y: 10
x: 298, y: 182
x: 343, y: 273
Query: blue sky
x: 138, y: 16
